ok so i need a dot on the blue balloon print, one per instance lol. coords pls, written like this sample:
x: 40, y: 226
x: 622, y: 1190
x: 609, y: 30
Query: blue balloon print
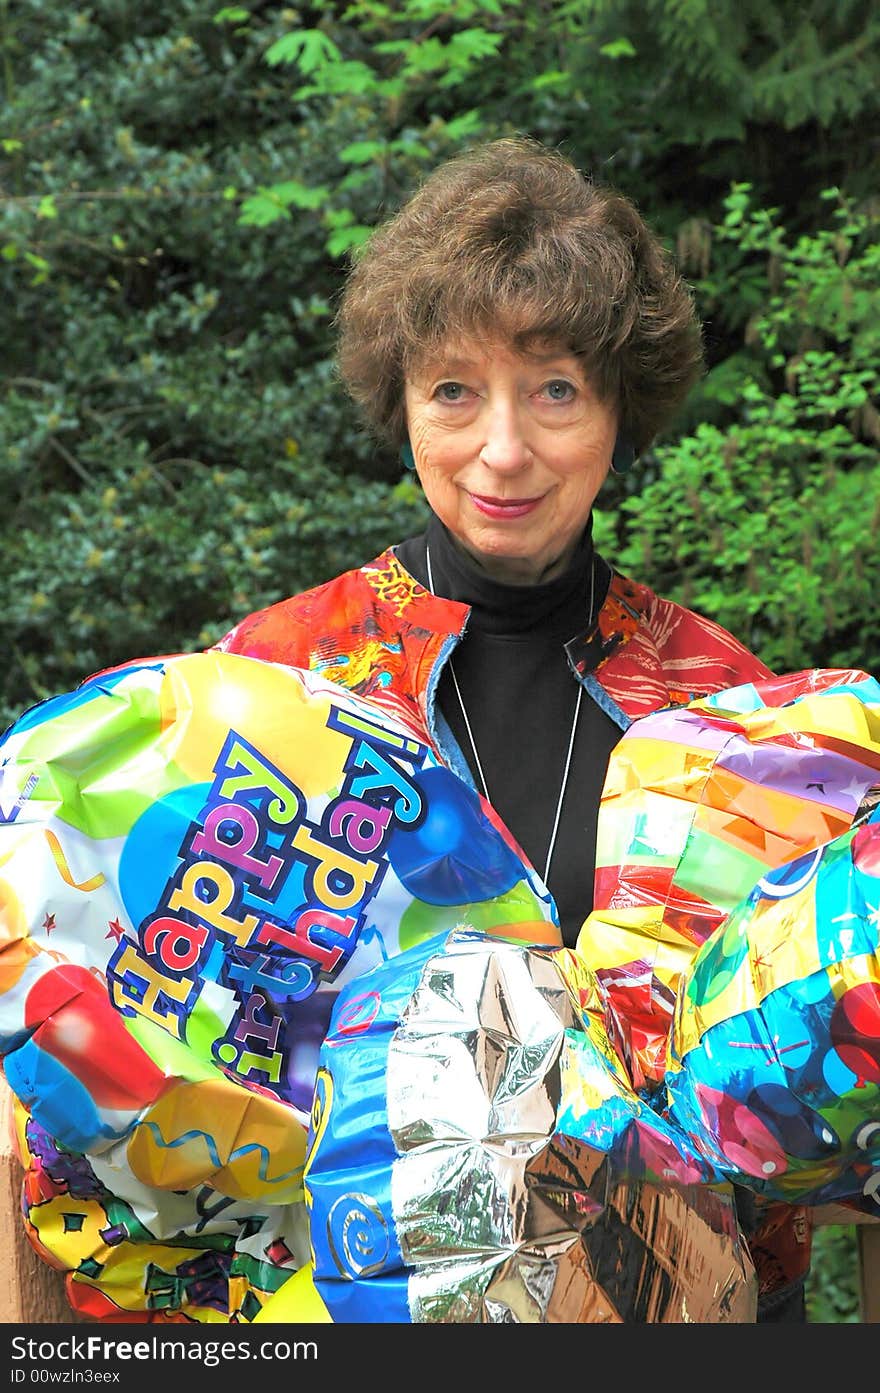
x: 801, y: 1131
x: 56, y: 1098
x: 454, y: 855
x: 838, y: 1076
x: 148, y: 858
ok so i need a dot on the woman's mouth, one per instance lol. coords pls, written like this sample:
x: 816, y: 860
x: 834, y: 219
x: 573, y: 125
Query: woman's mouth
x: 504, y: 507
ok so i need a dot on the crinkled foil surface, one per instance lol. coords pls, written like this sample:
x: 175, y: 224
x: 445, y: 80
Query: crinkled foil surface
x: 502, y: 1217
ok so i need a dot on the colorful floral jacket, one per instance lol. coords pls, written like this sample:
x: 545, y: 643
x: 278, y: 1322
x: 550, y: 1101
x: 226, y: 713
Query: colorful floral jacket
x: 378, y: 632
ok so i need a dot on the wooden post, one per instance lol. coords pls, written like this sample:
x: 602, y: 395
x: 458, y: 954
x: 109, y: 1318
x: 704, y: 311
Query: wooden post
x: 868, y: 1245
x: 869, y: 1273
x: 31, y: 1292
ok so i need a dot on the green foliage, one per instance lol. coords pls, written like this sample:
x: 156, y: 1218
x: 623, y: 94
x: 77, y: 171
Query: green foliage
x: 181, y: 187
x: 666, y: 95
x: 832, y: 1286
x: 174, y: 451
x: 766, y: 514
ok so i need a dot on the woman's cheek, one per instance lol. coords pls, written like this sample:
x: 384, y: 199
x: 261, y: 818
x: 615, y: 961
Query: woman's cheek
x: 420, y: 439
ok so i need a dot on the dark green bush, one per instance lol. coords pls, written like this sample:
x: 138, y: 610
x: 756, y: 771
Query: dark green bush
x: 179, y: 190
x: 833, y: 1287
x: 766, y: 513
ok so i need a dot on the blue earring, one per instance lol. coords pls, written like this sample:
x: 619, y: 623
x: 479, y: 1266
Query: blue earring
x: 624, y: 456
x: 406, y: 454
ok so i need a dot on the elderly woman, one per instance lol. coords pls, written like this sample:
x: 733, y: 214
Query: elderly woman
x: 516, y: 332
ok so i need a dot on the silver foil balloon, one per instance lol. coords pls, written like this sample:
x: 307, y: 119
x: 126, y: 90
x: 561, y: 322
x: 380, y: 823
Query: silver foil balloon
x: 501, y: 1216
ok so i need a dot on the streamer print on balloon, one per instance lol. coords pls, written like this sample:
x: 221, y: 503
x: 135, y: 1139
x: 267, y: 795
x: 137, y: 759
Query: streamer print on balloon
x: 142, y: 1255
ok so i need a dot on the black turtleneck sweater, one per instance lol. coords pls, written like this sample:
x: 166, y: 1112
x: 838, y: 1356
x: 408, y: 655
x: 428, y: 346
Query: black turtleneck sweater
x: 520, y: 695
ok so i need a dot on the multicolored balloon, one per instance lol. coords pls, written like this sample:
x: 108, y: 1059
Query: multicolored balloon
x: 755, y: 1057
x: 258, y: 945
x: 777, y: 1073
x: 198, y: 852
x: 700, y: 803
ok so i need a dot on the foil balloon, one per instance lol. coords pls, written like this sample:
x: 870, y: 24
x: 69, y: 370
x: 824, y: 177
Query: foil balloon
x: 478, y: 1156
x: 700, y: 802
x: 727, y: 1030
x: 775, y: 1048
x: 197, y: 852
x: 296, y: 1302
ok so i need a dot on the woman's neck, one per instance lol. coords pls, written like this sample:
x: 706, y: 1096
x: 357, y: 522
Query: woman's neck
x: 556, y: 605
x: 516, y: 571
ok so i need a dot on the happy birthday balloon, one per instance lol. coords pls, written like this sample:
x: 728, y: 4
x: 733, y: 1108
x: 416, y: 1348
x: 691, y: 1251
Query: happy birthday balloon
x: 198, y: 852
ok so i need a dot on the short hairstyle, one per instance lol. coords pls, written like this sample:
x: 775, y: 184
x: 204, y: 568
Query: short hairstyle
x: 511, y: 242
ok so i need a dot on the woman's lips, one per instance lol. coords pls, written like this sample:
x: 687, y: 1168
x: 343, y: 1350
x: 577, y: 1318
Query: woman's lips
x: 504, y: 507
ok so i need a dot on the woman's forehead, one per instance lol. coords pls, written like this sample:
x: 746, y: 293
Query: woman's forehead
x: 467, y: 351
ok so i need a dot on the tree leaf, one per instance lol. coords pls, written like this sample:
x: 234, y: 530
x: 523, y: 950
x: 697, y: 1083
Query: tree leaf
x: 618, y: 48
x: 309, y: 49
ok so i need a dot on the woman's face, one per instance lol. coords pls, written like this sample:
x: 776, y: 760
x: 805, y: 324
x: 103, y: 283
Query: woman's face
x: 511, y: 450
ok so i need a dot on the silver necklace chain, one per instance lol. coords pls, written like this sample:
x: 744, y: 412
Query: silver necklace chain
x: 572, y: 733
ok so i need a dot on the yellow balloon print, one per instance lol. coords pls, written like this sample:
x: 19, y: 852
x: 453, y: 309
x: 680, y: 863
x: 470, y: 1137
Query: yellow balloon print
x: 201, y: 701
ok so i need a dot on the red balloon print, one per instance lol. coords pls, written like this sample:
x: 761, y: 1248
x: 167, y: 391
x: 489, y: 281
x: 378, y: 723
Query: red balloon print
x: 76, y: 1024
x: 865, y: 848
x: 740, y: 1135
x: 855, y: 1030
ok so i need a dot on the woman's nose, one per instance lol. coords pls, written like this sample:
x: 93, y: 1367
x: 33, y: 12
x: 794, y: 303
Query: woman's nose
x: 505, y: 447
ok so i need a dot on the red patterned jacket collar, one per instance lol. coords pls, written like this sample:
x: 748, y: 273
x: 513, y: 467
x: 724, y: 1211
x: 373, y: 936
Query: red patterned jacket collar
x: 377, y: 631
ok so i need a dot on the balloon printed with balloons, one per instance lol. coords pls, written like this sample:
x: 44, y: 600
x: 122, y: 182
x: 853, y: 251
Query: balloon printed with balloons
x: 198, y: 852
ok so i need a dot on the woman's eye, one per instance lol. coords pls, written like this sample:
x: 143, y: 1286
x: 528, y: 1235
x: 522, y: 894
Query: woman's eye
x: 450, y: 391
x: 558, y: 389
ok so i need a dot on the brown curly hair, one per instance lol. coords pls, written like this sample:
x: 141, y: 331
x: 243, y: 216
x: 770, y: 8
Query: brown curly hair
x: 510, y: 241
